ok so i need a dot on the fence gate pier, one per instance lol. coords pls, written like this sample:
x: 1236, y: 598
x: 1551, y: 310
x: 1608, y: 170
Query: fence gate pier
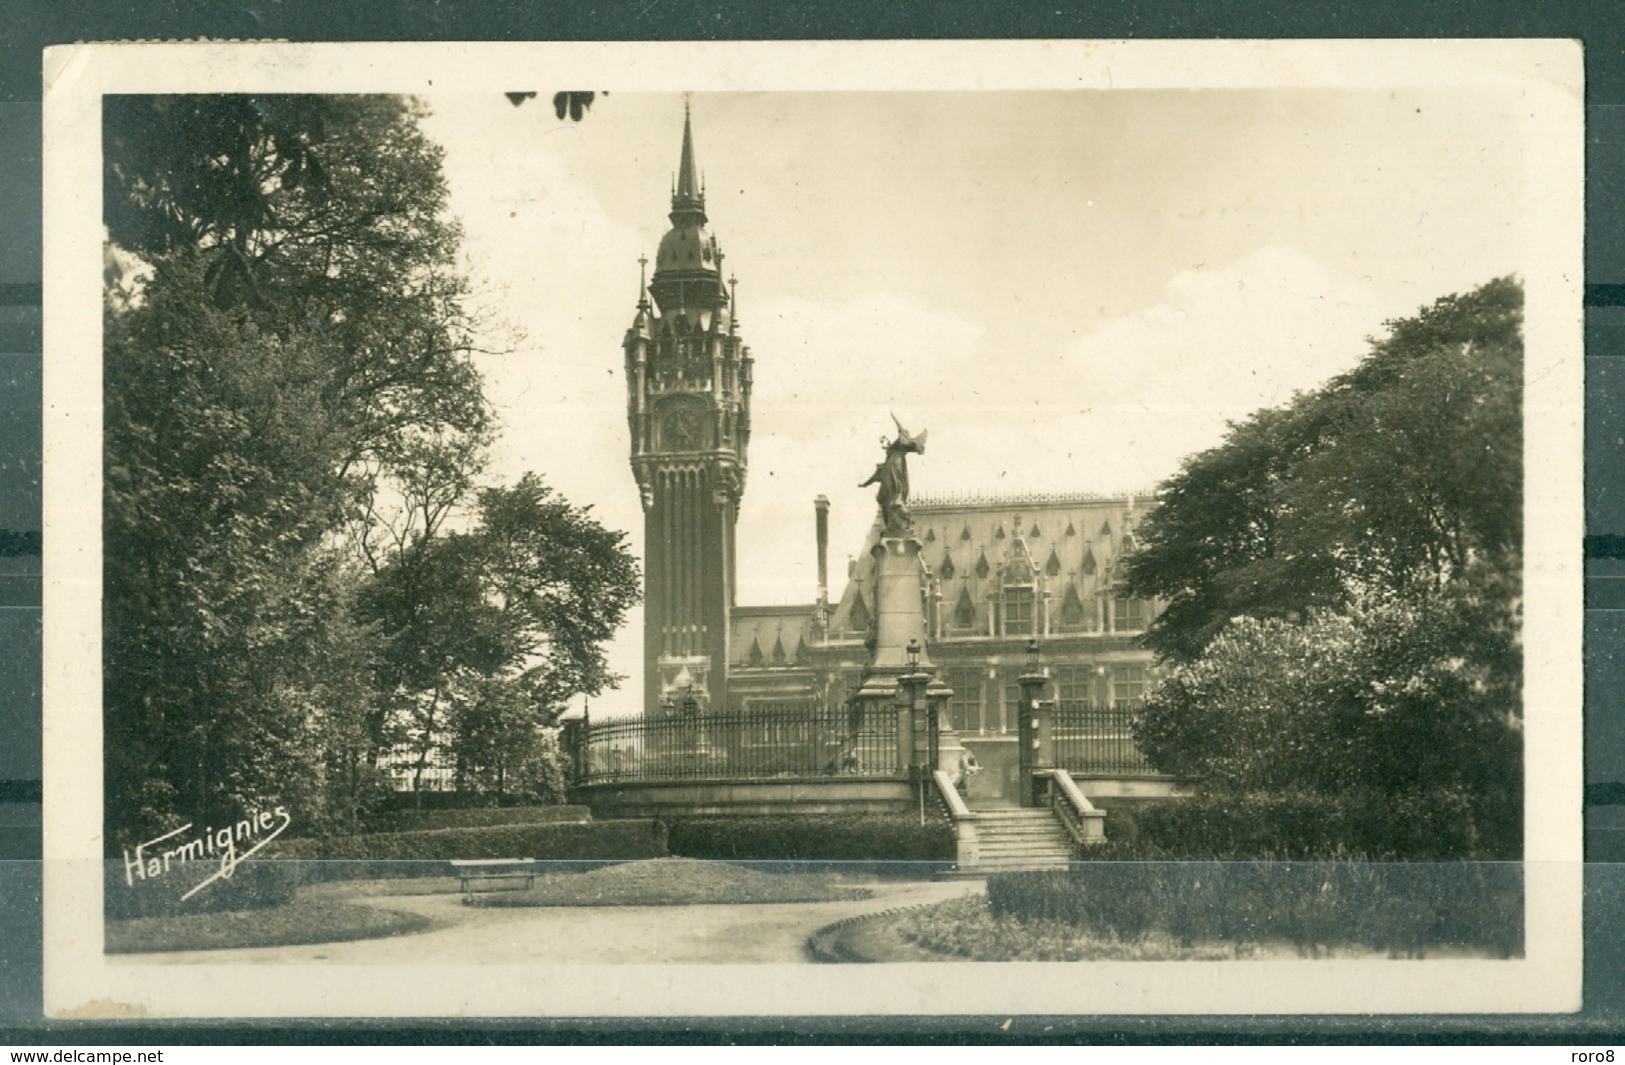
x: 1037, y: 753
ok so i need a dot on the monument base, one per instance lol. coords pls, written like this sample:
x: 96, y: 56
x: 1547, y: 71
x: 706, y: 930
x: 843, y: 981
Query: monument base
x: 899, y: 613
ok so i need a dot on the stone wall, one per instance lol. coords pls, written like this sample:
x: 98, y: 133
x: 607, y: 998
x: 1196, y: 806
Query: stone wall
x: 745, y: 798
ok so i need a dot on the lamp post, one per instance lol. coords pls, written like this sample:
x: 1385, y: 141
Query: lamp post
x: 1035, y: 755
x: 695, y: 720
x: 573, y: 733
x: 921, y: 724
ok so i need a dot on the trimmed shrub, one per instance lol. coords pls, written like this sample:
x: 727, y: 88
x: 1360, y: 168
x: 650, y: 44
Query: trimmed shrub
x: 1402, y: 908
x: 1436, y: 824
x: 253, y: 885
x: 483, y: 816
x: 389, y: 854
x: 814, y: 837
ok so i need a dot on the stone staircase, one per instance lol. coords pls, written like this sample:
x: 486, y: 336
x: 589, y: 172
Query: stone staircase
x: 1013, y: 839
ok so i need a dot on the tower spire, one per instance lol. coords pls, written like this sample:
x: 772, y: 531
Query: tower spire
x: 688, y: 197
x: 686, y: 184
x: 688, y: 377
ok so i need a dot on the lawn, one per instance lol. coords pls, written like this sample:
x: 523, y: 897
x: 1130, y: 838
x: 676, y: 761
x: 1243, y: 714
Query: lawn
x: 311, y: 917
x: 332, y: 912
x: 676, y: 882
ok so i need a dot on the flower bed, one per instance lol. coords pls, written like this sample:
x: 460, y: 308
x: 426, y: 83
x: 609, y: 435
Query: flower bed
x: 1404, y: 909
x: 967, y: 928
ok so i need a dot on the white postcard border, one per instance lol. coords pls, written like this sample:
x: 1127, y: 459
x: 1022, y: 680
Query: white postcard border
x: 81, y: 981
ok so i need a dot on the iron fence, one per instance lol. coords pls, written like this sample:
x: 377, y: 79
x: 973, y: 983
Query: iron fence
x: 1090, y: 738
x: 798, y: 740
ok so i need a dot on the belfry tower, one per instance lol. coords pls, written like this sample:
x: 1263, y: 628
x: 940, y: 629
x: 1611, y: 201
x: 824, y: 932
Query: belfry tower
x: 688, y: 407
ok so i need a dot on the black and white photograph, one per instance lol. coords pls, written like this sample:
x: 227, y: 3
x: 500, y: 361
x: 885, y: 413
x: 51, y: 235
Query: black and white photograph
x: 1038, y: 527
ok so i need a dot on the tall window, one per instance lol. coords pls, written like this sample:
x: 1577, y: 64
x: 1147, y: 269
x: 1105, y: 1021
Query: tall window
x: 965, y: 705
x: 1011, y: 717
x: 1128, y: 683
x: 1128, y: 615
x: 1073, y: 684
x: 1018, y: 611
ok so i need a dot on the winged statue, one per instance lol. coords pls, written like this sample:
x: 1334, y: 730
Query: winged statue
x: 892, y: 477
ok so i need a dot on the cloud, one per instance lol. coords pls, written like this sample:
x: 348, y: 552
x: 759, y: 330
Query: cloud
x: 1009, y: 408
x: 841, y: 358
x: 1155, y: 386
x: 1115, y: 411
x: 1229, y: 340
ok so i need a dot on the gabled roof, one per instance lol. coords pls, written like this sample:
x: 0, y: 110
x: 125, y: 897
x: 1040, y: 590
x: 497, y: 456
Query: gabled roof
x: 769, y: 637
x: 1049, y: 542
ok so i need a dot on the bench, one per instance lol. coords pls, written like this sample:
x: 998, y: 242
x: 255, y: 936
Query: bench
x: 474, y: 874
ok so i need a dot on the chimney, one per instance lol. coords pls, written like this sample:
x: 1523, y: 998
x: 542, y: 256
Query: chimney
x: 821, y: 509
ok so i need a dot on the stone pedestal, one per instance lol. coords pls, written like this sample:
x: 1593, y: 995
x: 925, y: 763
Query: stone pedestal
x: 899, y: 621
x: 898, y: 617
x: 1034, y: 732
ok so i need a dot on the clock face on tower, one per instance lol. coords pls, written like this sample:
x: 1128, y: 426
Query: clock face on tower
x: 682, y: 429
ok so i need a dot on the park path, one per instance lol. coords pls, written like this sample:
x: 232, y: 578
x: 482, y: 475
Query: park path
x: 718, y: 934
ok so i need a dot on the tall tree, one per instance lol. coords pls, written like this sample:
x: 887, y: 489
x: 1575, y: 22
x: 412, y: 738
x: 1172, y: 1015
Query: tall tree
x: 1393, y: 475
x: 298, y: 332
x: 486, y: 634
x: 1343, y: 578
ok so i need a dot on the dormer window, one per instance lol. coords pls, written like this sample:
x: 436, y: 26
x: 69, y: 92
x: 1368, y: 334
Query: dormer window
x: 860, y: 614
x: 1019, y: 613
x: 1072, y: 612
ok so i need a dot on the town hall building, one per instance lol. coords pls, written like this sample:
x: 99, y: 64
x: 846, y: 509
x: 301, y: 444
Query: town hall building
x: 996, y: 572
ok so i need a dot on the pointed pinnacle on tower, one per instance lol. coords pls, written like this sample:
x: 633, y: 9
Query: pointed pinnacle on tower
x: 687, y: 198
x: 686, y: 183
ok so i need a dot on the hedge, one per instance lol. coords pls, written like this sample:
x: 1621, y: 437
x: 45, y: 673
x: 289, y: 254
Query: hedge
x: 482, y: 817
x: 253, y: 885
x: 1419, y: 825
x: 814, y: 837
x: 425, y: 853
x: 1402, y: 908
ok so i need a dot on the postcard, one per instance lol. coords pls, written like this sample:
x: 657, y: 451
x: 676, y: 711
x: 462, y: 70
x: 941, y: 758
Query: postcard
x: 824, y: 528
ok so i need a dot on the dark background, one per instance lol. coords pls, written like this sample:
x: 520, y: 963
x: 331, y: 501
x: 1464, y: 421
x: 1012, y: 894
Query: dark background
x: 27, y: 26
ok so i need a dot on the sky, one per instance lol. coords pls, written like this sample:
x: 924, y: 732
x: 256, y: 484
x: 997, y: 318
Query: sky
x: 1070, y: 290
